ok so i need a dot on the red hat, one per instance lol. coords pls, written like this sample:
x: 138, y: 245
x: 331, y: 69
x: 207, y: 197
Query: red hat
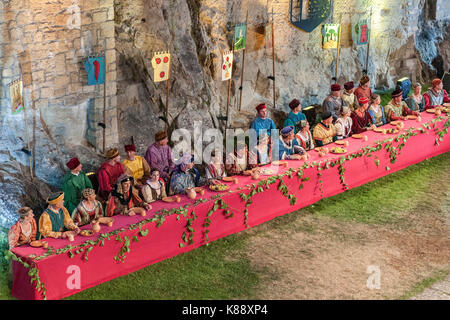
x: 335, y: 87
x: 436, y: 82
x: 349, y: 85
x: 396, y: 93
x: 363, y: 100
x: 73, y: 163
x: 260, y: 106
x: 130, y: 147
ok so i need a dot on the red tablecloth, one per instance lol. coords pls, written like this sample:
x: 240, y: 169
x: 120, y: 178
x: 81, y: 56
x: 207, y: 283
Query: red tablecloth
x: 56, y: 272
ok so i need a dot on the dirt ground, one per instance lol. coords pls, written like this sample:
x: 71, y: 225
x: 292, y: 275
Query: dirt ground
x: 317, y: 257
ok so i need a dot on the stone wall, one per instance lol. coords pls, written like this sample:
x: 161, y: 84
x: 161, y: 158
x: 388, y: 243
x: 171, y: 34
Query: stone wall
x: 48, y: 42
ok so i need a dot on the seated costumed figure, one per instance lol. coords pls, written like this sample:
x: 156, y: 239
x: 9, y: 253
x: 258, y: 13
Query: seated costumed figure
x: 154, y: 188
x: 124, y: 199
x: 397, y: 109
x: 24, y: 231
x: 185, y: 176
x: 325, y: 132
x: 88, y: 209
x: 55, y: 221
x: 288, y: 147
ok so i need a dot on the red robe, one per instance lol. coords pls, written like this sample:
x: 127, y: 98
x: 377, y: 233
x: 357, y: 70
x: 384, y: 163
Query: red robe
x: 361, y: 92
x: 360, y: 125
x: 107, y: 176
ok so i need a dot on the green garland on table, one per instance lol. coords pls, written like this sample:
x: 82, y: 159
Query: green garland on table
x: 33, y: 272
x: 160, y: 215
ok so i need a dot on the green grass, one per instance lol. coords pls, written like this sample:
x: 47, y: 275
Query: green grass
x: 382, y: 201
x: 204, y: 273
x: 426, y: 283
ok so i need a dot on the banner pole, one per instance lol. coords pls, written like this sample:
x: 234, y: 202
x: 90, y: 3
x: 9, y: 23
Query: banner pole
x: 104, y: 110
x: 368, y: 42
x: 229, y: 85
x: 243, y: 64
x: 273, y: 59
x: 338, y: 51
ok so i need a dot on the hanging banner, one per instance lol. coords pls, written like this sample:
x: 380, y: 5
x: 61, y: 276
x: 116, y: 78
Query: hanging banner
x: 161, y: 66
x: 240, y: 36
x: 309, y: 14
x: 95, y: 68
x: 330, y: 36
x: 268, y: 36
x: 362, y: 30
x: 227, y: 65
x: 16, y: 90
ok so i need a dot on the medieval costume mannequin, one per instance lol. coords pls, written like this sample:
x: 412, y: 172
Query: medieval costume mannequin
x: 363, y: 89
x: 261, y: 154
x: 344, y: 124
x: 349, y: 97
x: 236, y: 163
x: 124, y: 199
x: 73, y: 183
x: 304, y: 136
x: 333, y: 103
x: 397, y: 109
x: 215, y: 170
x: 24, y: 231
x: 109, y: 172
x: 55, y: 221
x: 295, y: 116
x: 159, y: 155
x: 185, y: 176
x: 138, y: 166
x: 376, y: 111
x: 262, y: 123
x: 88, y: 209
x: 416, y: 101
x: 154, y: 188
x: 324, y: 132
x: 361, y: 120
x: 436, y: 96
x: 288, y: 147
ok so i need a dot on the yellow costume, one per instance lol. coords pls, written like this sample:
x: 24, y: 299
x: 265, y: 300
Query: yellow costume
x: 139, y: 168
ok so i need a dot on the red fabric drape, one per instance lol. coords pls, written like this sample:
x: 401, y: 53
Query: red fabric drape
x: 163, y: 242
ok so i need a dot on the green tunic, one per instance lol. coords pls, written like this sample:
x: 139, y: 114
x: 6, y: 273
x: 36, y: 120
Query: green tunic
x: 72, y: 186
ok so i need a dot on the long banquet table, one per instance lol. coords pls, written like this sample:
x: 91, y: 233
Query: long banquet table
x: 170, y: 229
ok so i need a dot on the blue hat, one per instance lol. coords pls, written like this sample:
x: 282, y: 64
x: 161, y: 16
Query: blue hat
x: 287, y: 130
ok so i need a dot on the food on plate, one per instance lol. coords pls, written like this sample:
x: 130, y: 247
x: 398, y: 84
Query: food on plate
x: 338, y: 150
x: 86, y: 233
x: 219, y: 187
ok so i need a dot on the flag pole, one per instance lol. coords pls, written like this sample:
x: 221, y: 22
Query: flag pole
x: 368, y: 42
x: 338, y: 51
x: 167, y: 102
x: 273, y: 58
x: 229, y: 85
x: 31, y: 159
x: 104, y: 108
x: 243, y: 63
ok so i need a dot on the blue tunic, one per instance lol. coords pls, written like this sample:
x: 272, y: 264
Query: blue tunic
x: 263, y: 124
x: 286, y: 149
x: 292, y: 119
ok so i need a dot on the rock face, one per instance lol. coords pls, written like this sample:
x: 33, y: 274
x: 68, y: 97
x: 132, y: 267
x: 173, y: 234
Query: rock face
x: 408, y: 38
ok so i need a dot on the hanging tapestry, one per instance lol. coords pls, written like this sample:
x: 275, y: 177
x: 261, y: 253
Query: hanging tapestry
x: 227, y: 65
x: 362, y: 32
x: 268, y: 36
x: 330, y: 36
x: 161, y: 66
x: 15, y: 89
x: 240, y: 36
x: 308, y: 14
x: 95, y: 68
